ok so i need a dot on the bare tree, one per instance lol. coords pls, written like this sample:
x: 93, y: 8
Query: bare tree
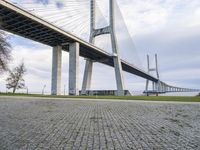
x: 15, y: 80
x: 5, y: 52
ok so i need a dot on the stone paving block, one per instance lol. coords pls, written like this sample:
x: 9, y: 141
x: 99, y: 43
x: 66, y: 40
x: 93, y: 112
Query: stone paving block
x: 52, y: 124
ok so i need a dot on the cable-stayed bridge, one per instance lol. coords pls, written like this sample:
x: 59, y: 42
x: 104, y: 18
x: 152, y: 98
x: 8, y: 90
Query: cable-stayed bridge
x: 21, y: 22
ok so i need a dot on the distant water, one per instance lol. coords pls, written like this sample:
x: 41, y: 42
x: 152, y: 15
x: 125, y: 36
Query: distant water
x: 138, y: 93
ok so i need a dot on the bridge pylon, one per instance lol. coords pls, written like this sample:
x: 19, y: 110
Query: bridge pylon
x: 110, y: 29
x: 156, y: 86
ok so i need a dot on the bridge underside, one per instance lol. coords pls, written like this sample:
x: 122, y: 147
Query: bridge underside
x: 22, y: 23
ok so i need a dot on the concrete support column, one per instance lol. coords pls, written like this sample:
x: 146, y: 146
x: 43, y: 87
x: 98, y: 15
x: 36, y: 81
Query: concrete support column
x: 162, y: 87
x: 56, y: 70
x: 119, y: 76
x: 153, y: 87
x: 116, y: 58
x: 89, y: 63
x: 147, y: 81
x: 158, y: 86
x: 147, y: 85
x: 74, y: 68
x: 87, y: 77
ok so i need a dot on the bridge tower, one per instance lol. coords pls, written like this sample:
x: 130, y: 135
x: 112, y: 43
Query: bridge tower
x: 110, y: 29
x: 155, y: 85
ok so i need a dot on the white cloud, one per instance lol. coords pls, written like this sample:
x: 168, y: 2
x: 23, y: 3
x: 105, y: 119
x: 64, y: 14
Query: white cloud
x: 195, y: 21
x: 143, y: 16
x: 183, y: 74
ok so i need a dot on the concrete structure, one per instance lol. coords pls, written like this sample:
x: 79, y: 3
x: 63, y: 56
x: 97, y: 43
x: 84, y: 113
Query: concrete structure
x: 116, y: 58
x: 56, y: 70
x: 156, y: 86
x: 87, y: 77
x: 89, y: 63
x: 74, y: 49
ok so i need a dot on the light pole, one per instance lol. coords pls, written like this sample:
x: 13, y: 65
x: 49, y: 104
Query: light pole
x: 43, y: 89
x: 27, y: 90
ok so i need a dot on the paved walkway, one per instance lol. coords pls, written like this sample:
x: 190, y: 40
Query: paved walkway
x: 40, y: 124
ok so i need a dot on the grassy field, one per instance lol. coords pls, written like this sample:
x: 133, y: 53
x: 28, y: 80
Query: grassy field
x: 148, y: 98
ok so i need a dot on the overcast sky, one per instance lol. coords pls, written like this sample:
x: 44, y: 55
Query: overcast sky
x: 170, y: 28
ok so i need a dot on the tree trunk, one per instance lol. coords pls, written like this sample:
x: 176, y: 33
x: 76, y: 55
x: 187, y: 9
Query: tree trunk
x: 14, y: 89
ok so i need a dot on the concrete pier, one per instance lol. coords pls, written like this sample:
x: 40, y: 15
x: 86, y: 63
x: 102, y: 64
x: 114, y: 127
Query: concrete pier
x: 74, y: 68
x: 116, y: 57
x: 89, y: 63
x: 87, y: 77
x: 56, y: 70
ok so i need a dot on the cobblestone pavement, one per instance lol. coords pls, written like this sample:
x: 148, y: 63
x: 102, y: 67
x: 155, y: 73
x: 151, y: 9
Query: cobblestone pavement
x: 40, y: 124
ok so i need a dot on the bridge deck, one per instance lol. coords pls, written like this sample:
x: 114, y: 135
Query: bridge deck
x: 18, y: 21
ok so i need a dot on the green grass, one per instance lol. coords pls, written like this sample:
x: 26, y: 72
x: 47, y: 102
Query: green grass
x: 147, y: 98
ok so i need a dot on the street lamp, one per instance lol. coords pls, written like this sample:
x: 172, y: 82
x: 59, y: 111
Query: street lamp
x: 27, y: 90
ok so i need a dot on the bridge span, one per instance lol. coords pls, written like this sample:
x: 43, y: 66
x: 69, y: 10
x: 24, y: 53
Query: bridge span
x: 20, y: 22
